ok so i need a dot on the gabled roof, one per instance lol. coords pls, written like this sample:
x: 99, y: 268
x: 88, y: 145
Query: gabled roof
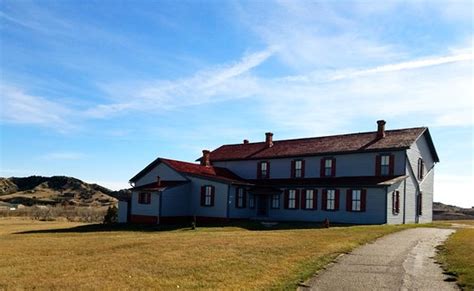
x: 211, y: 172
x: 336, y: 144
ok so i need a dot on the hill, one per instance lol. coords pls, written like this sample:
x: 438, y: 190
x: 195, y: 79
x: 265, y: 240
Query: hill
x: 444, y: 212
x: 54, y: 190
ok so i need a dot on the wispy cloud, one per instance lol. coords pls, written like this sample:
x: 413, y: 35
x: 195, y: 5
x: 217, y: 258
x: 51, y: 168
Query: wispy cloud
x: 63, y: 155
x: 22, y: 108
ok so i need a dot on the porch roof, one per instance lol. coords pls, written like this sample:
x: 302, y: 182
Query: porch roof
x: 152, y: 187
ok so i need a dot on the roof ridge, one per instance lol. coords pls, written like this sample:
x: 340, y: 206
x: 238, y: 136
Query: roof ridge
x: 325, y: 136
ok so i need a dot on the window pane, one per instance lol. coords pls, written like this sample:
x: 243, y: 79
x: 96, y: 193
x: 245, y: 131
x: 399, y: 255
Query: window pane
x: 328, y: 163
x: 298, y: 165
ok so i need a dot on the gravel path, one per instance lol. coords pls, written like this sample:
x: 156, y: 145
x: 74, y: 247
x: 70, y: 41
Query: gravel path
x: 399, y: 261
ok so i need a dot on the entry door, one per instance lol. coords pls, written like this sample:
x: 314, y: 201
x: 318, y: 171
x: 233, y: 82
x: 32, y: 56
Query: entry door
x: 262, y: 205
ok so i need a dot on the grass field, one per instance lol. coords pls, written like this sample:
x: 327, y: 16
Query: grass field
x: 457, y: 254
x: 64, y: 255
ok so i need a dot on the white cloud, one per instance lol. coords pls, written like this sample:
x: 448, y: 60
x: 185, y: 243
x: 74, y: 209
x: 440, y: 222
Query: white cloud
x: 22, y: 108
x: 454, y: 190
x: 63, y: 155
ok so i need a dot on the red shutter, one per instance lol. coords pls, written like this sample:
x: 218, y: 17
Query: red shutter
x: 315, y: 199
x: 297, y: 199
x: 302, y: 168
x: 377, y: 165
x: 321, y: 172
x: 336, y: 200
x: 363, y: 199
x: 268, y: 170
x: 244, y: 199
x: 203, y: 195
x: 286, y: 198
x: 237, y: 198
x: 420, y: 204
x: 349, y: 200
x: 303, y: 199
x: 333, y: 169
x: 324, y: 199
x: 392, y: 165
x: 259, y: 170
x: 397, y: 204
x: 293, y: 169
x: 213, y: 194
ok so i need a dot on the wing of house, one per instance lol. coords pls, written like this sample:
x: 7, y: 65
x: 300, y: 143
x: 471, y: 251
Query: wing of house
x: 385, y: 176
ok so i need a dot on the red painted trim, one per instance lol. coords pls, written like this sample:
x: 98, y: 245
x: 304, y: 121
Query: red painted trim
x: 145, y: 219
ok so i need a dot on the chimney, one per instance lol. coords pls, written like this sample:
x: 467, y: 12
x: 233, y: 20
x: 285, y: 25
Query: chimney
x: 246, y: 141
x: 158, y: 181
x: 380, y: 128
x: 269, y: 139
x: 206, y: 158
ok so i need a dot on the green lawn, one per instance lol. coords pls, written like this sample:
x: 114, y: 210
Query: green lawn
x: 232, y: 257
x: 457, y: 254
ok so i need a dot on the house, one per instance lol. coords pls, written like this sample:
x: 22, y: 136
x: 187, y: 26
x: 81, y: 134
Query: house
x: 379, y: 177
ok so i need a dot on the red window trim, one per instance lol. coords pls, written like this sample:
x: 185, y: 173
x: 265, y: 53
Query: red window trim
x: 378, y: 164
x: 244, y: 197
x: 324, y: 199
x: 322, y: 172
x: 293, y: 168
x: 349, y: 200
x: 287, y: 199
x: 203, y: 195
x: 146, y: 199
x: 421, y: 169
x: 303, y: 199
x: 259, y: 170
x: 395, y: 202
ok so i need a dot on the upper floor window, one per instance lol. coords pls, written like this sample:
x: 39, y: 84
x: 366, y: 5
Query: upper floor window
x: 207, y: 195
x: 328, y: 167
x: 240, y: 198
x: 395, y: 202
x: 275, y: 201
x: 421, y: 169
x: 263, y: 170
x: 297, y: 169
x: 144, y: 198
x: 384, y: 165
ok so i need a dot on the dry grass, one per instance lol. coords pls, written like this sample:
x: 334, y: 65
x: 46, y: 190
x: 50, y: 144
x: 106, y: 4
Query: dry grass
x: 59, y: 212
x: 457, y: 255
x: 210, y: 258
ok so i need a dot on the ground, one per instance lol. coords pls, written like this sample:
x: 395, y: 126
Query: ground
x: 64, y: 255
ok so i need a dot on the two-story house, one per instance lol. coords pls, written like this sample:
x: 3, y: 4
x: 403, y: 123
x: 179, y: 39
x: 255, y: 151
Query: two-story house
x: 379, y: 177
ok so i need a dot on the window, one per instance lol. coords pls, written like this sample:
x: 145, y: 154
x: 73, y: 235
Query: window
x: 297, y: 169
x: 328, y: 167
x: 356, y: 200
x: 421, y: 169
x: 395, y: 202
x: 207, y: 195
x: 331, y: 200
x: 292, y: 199
x: 420, y: 204
x: 144, y: 198
x: 309, y: 199
x: 240, y: 198
x: 384, y: 165
x: 275, y: 201
x: 251, y: 201
x: 263, y: 170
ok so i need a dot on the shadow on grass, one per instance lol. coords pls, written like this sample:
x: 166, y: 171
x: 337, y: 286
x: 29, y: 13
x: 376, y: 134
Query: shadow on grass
x: 248, y: 225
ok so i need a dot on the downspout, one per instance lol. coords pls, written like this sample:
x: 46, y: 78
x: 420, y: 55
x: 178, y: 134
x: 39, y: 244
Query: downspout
x: 404, y: 200
x: 161, y: 205
x: 386, y: 204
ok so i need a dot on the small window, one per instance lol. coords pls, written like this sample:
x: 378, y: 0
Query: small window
x: 292, y: 199
x: 385, y: 165
x: 251, y: 201
x: 328, y: 167
x: 208, y: 196
x: 275, y: 201
x: 298, y: 169
x: 309, y: 199
x: 144, y: 198
x: 356, y: 200
x: 240, y: 197
x: 421, y: 169
x: 263, y: 170
x: 331, y: 200
x: 395, y: 202
x: 420, y: 204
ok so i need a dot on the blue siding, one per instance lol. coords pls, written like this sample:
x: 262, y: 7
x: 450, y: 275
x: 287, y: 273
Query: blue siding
x: 220, y: 199
x: 176, y: 201
x: 347, y: 165
x: 391, y: 217
x: 162, y: 170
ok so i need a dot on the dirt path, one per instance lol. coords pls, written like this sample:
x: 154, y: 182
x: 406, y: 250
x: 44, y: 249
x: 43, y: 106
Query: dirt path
x: 400, y: 261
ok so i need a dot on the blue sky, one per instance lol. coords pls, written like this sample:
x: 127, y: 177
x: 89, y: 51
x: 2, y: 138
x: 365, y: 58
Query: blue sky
x: 98, y: 89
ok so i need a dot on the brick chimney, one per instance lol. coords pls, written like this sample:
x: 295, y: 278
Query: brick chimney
x: 206, y: 158
x: 381, y: 128
x: 246, y: 141
x: 269, y: 139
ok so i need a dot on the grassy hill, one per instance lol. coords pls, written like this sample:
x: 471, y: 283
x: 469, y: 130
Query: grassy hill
x: 449, y: 212
x: 38, y: 190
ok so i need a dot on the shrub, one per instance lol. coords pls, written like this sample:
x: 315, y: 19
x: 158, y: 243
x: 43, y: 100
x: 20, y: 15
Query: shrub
x: 111, y: 216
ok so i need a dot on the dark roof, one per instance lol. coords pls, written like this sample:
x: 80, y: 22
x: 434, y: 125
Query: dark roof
x: 346, y: 143
x: 358, y: 181
x: 162, y: 186
x: 210, y: 172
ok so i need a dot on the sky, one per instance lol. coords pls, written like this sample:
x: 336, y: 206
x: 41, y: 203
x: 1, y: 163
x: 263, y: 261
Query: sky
x: 98, y: 89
